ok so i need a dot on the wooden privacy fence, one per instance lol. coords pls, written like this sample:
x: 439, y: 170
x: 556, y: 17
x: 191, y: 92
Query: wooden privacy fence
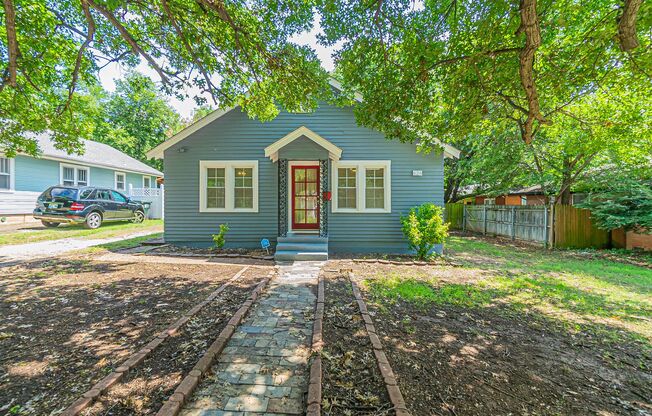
x: 567, y: 226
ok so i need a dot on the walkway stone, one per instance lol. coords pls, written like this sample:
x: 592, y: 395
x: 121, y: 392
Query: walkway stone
x: 264, y: 368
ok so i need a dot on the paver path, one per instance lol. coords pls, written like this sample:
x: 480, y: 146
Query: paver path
x: 264, y: 368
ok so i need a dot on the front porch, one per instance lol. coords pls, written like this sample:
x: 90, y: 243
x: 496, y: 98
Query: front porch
x: 302, y: 159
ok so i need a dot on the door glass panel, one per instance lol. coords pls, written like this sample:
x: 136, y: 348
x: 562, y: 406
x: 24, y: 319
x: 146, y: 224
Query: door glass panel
x: 300, y: 189
x: 311, y: 189
x: 311, y: 175
x: 299, y: 217
x: 299, y: 175
x: 311, y: 203
x: 311, y: 217
x: 299, y: 203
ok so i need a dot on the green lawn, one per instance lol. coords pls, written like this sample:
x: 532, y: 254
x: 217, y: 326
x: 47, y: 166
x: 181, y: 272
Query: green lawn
x: 579, y: 290
x: 122, y: 244
x: 105, y: 231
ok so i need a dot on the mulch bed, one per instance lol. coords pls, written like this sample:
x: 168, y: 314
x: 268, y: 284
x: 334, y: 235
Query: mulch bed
x: 145, y: 388
x: 171, y: 249
x: 67, y: 323
x: 484, y: 361
x: 351, y: 383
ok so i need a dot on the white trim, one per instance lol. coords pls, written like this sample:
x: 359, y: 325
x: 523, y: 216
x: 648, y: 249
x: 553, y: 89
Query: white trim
x: 158, y: 151
x: 362, y: 166
x: 12, y: 173
x: 271, y: 151
x: 76, y: 168
x: 292, y: 163
x: 115, y: 181
x: 229, y: 178
x: 92, y: 165
x: 150, y: 181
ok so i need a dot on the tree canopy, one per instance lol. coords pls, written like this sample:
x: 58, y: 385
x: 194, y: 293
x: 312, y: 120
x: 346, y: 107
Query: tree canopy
x: 448, y: 66
x: 234, y: 52
x: 135, y: 117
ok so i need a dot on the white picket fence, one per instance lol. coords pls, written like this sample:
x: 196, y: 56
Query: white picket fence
x: 155, y: 196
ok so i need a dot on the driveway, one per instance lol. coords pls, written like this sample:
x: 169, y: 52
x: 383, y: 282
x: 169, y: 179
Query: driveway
x: 14, y: 254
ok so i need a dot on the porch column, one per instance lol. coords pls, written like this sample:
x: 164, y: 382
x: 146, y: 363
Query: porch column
x: 282, y: 197
x: 323, y: 204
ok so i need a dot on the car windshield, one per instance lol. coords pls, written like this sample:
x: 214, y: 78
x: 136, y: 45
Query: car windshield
x: 61, y: 193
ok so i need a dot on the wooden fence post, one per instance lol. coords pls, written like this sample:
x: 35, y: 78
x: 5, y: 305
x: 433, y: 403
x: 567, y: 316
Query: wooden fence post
x: 484, y: 219
x: 464, y: 217
x: 513, y: 223
x: 545, y: 226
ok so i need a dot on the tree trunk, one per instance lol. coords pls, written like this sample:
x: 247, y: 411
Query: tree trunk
x: 627, y: 25
x: 564, y: 195
x: 12, y: 41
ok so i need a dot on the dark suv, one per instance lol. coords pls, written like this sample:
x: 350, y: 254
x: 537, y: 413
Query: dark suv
x: 85, y: 204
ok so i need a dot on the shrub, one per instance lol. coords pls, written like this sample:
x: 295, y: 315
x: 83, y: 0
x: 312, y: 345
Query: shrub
x: 219, y: 238
x: 424, y: 228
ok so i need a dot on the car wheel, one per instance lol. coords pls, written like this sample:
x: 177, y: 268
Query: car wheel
x: 93, y: 220
x: 139, y: 216
x: 50, y: 224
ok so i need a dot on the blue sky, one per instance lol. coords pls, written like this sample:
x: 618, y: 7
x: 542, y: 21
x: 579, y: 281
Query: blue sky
x: 116, y: 71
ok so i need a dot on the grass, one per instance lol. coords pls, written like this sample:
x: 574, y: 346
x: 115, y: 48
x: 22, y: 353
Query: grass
x: 122, y: 244
x: 560, y: 286
x: 105, y: 231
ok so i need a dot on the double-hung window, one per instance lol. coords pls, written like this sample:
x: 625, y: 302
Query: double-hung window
x: 147, y: 182
x: 362, y: 186
x: 120, y: 181
x: 74, y: 175
x: 6, y: 173
x: 228, y: 186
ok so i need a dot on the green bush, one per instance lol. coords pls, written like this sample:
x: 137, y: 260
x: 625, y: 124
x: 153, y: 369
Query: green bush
x: 219, y: 238
x: 424, y: 228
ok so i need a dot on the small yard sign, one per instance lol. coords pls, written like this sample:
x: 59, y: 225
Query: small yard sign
x: 264, y: 243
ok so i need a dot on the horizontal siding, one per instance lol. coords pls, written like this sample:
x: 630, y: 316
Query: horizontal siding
x: 35, y: 175
x: 236, y: 137
x: 17, y: 202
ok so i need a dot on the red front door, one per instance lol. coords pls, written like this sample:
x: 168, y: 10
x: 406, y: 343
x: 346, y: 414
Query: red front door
x: 305, y: 197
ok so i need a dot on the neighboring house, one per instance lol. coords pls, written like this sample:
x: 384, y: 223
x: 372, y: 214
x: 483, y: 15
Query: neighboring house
x: 315, y: 182
x: 532, y: 195
x: 24, y: 177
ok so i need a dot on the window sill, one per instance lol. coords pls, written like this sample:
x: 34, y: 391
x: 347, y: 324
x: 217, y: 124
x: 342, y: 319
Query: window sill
x: 231, y: 211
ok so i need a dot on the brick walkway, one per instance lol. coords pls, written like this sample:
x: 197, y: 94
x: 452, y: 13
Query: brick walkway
x: 264, y: 368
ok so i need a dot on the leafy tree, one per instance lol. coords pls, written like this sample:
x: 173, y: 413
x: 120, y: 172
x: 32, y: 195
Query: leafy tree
x: 235, y: 52
x: 135, y: 117
x: 445, y: 67
x: 622, y: 201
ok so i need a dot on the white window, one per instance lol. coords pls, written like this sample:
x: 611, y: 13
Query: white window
x: 228, y: 186
x: 6, y: 173
x: 147, y: 182
x: 490, y: 201
x: 120, y: 181
x: 362, y: 186
x: 524, y: 200
x: 74, y: 175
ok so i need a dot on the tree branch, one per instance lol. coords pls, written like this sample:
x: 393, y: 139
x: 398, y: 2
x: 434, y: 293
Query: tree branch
x: 627, y: 25
x: 530, y: 27
x: 12, y: 41
x: 90, y: 34
x: 457, y: 59
x: 130, y: 40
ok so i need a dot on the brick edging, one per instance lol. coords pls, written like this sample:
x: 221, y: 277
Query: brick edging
x: 393, y: 390
x: 138, y: 357
x: 314, y: 384
x: 184, y: 390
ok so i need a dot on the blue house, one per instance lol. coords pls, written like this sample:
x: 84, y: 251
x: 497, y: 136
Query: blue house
x: 314, y: 183
x: 24, y: 177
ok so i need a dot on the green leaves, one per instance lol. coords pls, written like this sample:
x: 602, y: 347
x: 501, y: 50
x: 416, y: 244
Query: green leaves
x: 232, y: 52
x: 424, y: 228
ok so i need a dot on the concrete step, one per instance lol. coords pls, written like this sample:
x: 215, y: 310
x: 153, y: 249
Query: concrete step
x: 310, y: 247
x: 290, y: 255
x: 298, y: 238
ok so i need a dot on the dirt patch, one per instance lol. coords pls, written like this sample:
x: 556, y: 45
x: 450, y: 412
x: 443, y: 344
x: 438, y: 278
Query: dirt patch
x: 352, y: 383
x: 209, y: 251
x: 455, y: 360
x: 146, y: 387
x: 67, y: 323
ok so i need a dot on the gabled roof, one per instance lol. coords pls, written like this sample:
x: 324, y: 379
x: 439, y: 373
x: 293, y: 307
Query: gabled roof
x: 158, y: 151
x: 95, y: 154
x: 271, y: 151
